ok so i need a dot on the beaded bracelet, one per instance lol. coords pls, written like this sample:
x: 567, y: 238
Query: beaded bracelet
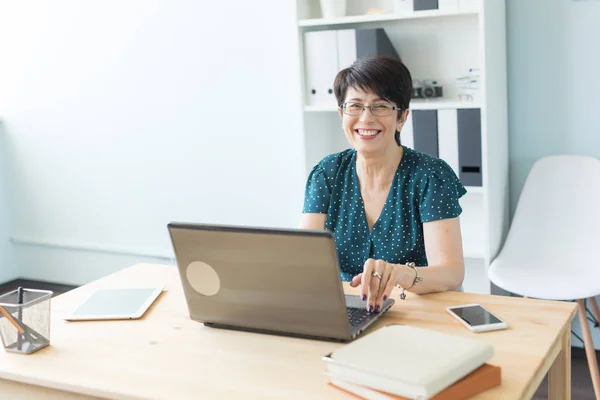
x: 415, y: 281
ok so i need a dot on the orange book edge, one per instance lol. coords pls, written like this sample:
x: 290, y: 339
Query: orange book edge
x: 483, y: 378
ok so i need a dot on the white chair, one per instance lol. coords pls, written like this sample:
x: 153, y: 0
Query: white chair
x: 552, y: 250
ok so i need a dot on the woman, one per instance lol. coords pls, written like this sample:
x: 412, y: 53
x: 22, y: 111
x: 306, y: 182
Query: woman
x: 389, y: 207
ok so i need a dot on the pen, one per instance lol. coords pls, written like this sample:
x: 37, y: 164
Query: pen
x: 19, y: 313
x: 12, y: 320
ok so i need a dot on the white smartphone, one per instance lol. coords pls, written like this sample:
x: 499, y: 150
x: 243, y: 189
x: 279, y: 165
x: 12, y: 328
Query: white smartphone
x: 476, y: 318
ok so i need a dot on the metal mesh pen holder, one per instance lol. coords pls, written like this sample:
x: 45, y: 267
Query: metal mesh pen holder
x: 25, y: 320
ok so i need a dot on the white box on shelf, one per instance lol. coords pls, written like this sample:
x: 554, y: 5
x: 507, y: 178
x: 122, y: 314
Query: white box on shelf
x: 404, y: 6
x: 333, y: 8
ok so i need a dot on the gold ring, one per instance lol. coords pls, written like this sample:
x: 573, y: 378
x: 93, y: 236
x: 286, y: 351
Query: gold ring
x: 377, y: 275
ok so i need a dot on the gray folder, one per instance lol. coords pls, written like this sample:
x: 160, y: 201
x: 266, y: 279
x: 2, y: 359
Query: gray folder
x: 425, y: 131
x: 469, y: 146
x: 421, y: 5
x: 372, y: 42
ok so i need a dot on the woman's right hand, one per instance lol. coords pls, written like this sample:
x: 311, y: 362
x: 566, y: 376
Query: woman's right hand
x: 377, y: 282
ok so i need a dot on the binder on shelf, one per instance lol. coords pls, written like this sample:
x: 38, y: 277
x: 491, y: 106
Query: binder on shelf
x: 469, y: 146
x: 425, y: 131
x: 358, y: 43
x: 452, y: 135
x: 346, y: 47
x: 406, y: 134
x: 448, y: 5
x: 371, y: 42
x: 327, y: 52
x: 404, y: 6
x: 448, y: 138
x: 422, y: 5
x: 321, y: 66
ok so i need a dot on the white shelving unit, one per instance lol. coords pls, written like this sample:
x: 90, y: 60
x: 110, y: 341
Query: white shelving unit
x: 441, y: 45
x: 415, y: 104
x: 357, y: 19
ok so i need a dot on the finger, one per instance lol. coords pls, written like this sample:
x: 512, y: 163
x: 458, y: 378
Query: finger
x: 366, y: 277
x: 374, y: 285
x: 394, y: 276
x: 387, y: 272
x: 356, y: 280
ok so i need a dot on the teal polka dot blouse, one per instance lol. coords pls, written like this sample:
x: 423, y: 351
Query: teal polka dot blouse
x: 424, y: 189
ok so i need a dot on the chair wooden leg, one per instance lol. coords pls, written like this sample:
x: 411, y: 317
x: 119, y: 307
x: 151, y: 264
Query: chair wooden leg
x: 590, y: 352
x: 595, y: 311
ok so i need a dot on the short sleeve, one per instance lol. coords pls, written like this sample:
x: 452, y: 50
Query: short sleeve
x: 440, y: 194
x: 317, y: 192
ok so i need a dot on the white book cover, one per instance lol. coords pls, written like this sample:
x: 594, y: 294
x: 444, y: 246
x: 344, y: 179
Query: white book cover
x: 408, y: 361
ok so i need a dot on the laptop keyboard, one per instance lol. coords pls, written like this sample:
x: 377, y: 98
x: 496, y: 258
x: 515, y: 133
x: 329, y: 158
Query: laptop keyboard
x: 357, y: 315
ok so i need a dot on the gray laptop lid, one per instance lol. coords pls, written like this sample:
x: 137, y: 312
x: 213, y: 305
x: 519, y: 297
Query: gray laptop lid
x: 263, y: 279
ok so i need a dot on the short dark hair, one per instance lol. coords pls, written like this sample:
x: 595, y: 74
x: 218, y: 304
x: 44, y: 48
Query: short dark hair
x: 385, y: 76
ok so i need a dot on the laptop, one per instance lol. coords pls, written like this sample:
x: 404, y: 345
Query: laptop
x: 275, y: 281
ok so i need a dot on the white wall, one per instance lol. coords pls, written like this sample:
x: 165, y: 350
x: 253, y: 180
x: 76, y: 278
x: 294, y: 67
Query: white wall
x: 124, y: 115
x: 8, y: 268
x: 115, y: 124
x: 554, y: 86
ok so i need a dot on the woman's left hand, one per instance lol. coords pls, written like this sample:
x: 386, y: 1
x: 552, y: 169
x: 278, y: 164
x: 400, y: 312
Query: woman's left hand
x: 377, y: 281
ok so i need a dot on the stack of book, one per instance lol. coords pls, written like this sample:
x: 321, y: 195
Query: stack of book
x: 405, y: 362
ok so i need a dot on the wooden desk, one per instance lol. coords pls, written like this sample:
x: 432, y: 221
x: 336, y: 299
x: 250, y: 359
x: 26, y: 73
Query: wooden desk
x: 166, y: 355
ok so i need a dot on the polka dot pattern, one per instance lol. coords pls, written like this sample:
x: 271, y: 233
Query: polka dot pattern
x: 424, y: 188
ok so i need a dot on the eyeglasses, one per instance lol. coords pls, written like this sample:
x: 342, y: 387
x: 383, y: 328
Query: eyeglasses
x: 378, y: 110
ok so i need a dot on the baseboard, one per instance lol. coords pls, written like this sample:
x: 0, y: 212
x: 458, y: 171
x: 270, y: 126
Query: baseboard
x: 56, y: 287
x: 579, y: 353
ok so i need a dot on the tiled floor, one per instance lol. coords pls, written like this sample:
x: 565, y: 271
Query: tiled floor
x: 581, y: 382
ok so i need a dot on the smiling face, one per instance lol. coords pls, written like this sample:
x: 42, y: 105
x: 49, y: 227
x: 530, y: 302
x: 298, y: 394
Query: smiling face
x: 370, y: 134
